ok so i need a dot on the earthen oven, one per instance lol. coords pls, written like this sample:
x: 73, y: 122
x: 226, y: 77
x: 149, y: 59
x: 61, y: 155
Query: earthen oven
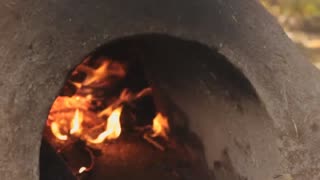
x: 223, y: 71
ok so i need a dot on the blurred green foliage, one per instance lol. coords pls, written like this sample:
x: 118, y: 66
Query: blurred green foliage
x: 294, y: 8
x: 301, y: 20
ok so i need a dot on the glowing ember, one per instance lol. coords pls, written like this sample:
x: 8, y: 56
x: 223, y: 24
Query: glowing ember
x: 56, y: 132
x: 82, y: 169
x: 160, y: 126
x: 89, y: 97
x: 76, y: 122
x: 75, y: 102
x: 113, y: 128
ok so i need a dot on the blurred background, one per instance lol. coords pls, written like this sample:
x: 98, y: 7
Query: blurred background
x: 301, y: 21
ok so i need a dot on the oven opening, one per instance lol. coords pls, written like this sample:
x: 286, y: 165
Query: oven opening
x: 110, y: 122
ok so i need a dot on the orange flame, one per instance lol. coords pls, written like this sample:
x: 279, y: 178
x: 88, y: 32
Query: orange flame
x: 125, y: 96
x: 160, y: 126
x: 75, y: 102
x: 113, y: 128
x: 76, y: 122
x: 96, y: 75
x: 56, y: 132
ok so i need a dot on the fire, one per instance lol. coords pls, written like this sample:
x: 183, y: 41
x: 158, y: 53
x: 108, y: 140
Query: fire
x: 82, y: 169
x: 113, y: 127
x: 94, y: 74
x: 92, y: 114
x: 125, y: 97
x: 56, y: 132
x: 160, y: 126
x: 75, y: 102
x: 104, y: 70
x: 76, y: 122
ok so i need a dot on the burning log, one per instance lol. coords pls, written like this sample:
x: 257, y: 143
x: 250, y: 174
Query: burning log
x: 153, y: 142
x: 104, y: 71
x: 90, y: 120
x: 125, y: 97
x: 113, y: 128
x: 160, y: 127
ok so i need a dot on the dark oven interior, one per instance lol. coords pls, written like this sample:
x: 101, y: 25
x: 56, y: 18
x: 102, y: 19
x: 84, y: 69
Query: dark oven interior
x: 112, y: 120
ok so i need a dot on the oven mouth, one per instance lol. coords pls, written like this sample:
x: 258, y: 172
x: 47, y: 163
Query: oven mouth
x: 114, y: 119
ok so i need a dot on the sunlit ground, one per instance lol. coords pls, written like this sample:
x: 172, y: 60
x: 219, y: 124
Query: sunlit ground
x: 301, y: 21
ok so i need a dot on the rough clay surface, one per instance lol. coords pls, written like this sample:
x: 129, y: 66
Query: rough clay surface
x: 40, y: 41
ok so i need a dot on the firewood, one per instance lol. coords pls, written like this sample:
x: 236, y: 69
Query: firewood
x: 153, y: 142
